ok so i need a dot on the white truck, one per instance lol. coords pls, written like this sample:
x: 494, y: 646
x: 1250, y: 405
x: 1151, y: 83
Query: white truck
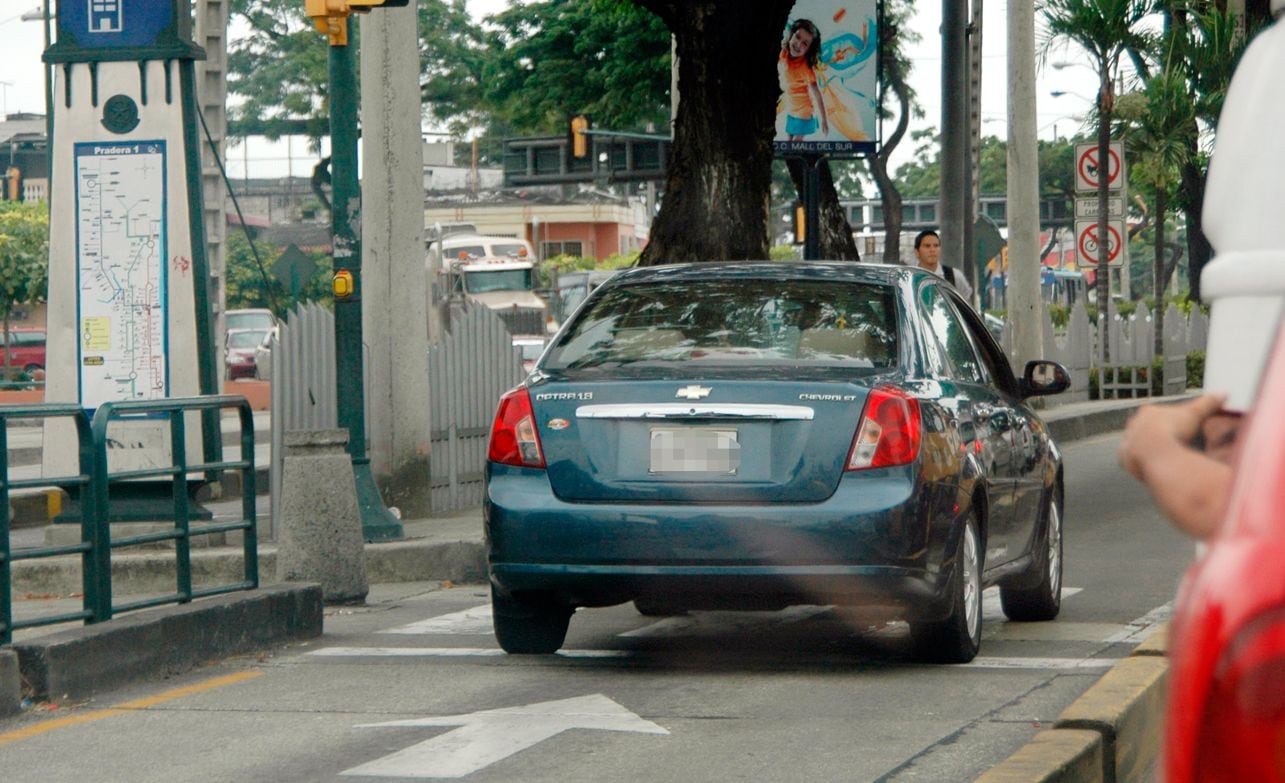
x: 498, y: 272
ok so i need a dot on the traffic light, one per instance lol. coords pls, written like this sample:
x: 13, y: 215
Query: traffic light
x: 13, y: 184
x: 579, y: 139
x: 331, y: 16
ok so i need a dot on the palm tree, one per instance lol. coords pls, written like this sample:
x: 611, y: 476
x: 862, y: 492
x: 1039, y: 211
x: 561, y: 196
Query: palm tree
x: 1106, y: 30
x: 1159, y: 126
x: 1207, y: 43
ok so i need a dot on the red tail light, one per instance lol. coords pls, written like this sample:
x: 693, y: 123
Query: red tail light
x: 1242, y: 733
x: 514, y: 440
x: 889, y: 431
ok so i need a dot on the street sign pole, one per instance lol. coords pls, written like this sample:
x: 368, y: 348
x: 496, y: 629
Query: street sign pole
x: 377, y: 523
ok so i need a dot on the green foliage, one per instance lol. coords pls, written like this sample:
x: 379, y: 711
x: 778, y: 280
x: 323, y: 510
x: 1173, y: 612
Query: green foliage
x: 1060, y: 315
x: 277, y: 69
x: 783, y: 253
x: 549, y: 59
x: 24, y: 254
x: 570, y: 263
x: 250, y: 286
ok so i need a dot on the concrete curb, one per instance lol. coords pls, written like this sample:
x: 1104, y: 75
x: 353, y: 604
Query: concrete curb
x: 164, y: 641
x: 1111, y: 733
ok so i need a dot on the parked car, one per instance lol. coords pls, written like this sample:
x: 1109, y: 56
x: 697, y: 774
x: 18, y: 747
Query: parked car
x: 263, y: 358
x: 250, y: 318
x: 27, y: 344
x: 757, y: 435
x: 239, y: 353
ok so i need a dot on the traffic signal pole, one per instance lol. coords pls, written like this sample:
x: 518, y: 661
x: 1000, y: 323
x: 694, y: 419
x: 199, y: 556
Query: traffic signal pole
x: 377, y: 523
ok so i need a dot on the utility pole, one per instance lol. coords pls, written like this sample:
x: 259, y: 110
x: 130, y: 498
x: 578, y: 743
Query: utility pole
x: 1025, y: 305
x: 395, y: 290
x: 955, y: 193
x: 331, y: 17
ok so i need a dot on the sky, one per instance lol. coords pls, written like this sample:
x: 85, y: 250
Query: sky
x: 22, y: 85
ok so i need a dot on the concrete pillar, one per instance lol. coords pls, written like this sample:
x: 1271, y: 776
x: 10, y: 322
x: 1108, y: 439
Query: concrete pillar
x: 10, y: 683
x: 1025, y: 305
x: 394, y: 284
x: 320, y: 526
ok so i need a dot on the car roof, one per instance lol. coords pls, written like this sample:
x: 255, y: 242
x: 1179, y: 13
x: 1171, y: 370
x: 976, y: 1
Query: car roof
x: 779, y: 270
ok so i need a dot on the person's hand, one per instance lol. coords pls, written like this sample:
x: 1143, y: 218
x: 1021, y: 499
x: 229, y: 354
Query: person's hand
x: 1156, y: 429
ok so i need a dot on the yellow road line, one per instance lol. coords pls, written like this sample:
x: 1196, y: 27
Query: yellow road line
x: 129, y: 706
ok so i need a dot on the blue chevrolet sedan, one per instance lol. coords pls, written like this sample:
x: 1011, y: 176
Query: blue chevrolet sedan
x: 759, y: 435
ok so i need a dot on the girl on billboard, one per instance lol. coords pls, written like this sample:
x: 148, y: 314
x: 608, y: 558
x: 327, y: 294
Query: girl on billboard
x: 803, y: 102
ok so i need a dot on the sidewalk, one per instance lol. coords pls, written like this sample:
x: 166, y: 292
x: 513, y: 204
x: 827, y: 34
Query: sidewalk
x: 73, y: 662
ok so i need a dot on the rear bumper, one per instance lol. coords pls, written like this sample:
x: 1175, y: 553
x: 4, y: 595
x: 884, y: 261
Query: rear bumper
x: 910, y: 591
x: 881, y: 539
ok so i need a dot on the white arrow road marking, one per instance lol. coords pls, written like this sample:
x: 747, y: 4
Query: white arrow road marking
x: 484, y: 738
x: 470, y: 621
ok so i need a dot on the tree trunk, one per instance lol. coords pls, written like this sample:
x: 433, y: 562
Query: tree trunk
x: 836, y: 234
x: 1103, y: 277
x: 720, y: 170
x: 1199, y: 251
x: 1158, y: 268
x: 888, y: 193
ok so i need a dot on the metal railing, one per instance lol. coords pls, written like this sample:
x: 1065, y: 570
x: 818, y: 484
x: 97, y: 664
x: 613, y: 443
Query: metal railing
x: 94, y: 484
x: 88, y: 533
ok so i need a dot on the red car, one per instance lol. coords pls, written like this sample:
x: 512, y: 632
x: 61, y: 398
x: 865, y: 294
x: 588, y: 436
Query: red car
x: 239, y: 355
x: 1226, y: 712
x: 28, y: 346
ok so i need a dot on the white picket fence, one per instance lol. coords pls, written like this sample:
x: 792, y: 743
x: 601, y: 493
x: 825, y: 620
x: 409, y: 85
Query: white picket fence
x: 1132, y: 346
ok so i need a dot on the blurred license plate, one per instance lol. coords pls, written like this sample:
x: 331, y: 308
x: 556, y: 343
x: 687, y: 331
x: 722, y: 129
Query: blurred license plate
x: 694, y: 450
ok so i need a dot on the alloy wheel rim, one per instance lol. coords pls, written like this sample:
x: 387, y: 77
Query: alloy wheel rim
x: 972, y: 588
x: 1055, y: 548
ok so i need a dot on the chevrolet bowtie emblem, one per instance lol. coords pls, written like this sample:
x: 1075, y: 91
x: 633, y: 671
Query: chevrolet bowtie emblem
x: 694, y: 392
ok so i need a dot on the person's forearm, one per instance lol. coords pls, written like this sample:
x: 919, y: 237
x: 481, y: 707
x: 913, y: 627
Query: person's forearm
x: 1190, y: 488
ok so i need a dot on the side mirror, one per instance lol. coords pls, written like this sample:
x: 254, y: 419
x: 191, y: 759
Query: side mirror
x: 1044, y: 377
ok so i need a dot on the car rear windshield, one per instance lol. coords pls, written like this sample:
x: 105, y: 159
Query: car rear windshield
x: 734, y: 322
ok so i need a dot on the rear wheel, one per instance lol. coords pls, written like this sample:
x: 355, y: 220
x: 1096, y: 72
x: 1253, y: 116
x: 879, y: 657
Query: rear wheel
x: 957, y: 638
x: 1044, y: 600
x: 529, y: 628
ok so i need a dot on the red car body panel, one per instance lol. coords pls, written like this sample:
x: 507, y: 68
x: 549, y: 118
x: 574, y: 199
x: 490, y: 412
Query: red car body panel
x: 1226, y: 711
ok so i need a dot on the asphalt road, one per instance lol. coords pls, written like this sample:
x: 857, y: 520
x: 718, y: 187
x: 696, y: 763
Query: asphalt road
x: 412, y: 686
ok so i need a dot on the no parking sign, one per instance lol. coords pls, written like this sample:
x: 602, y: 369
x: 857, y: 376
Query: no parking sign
x: 1089, y: 169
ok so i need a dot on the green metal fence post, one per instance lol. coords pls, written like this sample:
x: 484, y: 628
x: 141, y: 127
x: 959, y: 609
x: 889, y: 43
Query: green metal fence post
x: 182, y: 544
x: 377, y: 523
x: 95, y: 517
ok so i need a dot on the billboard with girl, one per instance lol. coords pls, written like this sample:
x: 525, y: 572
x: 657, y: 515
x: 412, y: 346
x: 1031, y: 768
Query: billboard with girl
x: 828, y: 70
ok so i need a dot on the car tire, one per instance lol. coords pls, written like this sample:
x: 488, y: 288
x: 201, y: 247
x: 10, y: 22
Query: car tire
x: 1043, y: 601
x: 649, y: 607
x: 957, y: 638
x: 524, y: 628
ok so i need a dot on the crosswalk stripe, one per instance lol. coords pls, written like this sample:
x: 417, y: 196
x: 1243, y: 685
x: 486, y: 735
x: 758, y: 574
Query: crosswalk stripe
x: 489, y: 652
x: 448, y: 652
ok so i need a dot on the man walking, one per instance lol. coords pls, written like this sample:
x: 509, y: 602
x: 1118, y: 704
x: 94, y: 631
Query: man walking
x: 928, y: 251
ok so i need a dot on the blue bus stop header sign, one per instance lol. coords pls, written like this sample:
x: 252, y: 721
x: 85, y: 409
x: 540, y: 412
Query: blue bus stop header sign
x: 91, y: 30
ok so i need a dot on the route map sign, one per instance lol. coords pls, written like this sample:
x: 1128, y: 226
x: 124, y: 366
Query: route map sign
x: 120, y: 271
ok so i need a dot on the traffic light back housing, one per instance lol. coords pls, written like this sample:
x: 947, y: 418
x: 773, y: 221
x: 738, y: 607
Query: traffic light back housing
x: 579, y: 140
